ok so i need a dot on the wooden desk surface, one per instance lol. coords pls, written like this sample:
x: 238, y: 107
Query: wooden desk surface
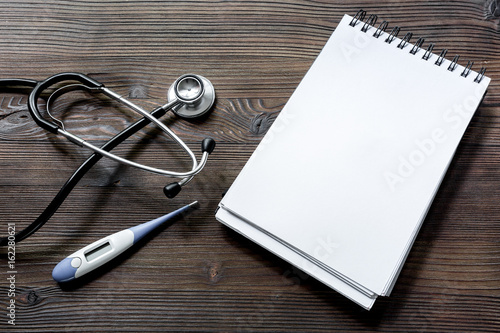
x: 196, y: 275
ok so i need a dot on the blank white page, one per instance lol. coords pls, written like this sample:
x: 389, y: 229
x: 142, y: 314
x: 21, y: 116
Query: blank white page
x: 288, y: 254
x: 349, y: 168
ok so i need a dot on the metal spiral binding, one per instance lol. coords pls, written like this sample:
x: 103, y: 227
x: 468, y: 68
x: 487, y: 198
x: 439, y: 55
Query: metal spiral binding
x: 360, y: 15
x: 467, y: 68
x: 372, y: 19
x: 440, y: 59
x: 453, y: 64
x: 417, y: 46
x: 428, y: 52
x: 394, y: 33
x: 405, y: 40
x: 480, y: 75
x: 381, y: 28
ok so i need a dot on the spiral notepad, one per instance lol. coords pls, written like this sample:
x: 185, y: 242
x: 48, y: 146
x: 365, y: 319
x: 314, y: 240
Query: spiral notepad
x: 343, y: 180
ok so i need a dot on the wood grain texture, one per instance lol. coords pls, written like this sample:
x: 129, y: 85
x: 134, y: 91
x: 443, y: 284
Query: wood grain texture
x: 197, y: 275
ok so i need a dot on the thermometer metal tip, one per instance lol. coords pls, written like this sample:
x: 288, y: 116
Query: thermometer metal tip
x: 194, y: 205
x: 102, y: 251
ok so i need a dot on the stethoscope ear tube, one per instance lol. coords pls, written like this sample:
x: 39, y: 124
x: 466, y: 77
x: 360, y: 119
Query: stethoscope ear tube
x: 40, y: 87
x: 172, y: 189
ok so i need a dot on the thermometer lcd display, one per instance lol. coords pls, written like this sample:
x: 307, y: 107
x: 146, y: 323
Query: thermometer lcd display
x: 98, y: 251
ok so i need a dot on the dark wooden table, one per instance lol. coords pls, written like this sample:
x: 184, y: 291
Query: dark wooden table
x: 196, y: 275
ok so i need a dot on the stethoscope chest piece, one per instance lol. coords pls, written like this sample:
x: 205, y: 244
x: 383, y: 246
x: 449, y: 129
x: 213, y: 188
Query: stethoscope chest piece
x: 197, y: 94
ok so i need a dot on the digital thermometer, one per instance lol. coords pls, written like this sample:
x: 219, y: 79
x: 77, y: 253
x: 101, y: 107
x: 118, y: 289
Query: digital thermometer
x: 102, y: 251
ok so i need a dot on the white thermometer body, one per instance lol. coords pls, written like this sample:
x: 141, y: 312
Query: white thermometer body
x: 102, y: 251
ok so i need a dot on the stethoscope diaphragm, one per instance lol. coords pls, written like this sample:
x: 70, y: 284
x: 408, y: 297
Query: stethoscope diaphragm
x: 197, y: 94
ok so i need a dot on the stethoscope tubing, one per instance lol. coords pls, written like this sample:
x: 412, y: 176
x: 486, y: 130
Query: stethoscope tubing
x: 80, y: 172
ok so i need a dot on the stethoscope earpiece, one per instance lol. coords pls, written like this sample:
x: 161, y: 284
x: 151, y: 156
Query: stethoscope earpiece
x: 208, y: 145
x: 172, y: 189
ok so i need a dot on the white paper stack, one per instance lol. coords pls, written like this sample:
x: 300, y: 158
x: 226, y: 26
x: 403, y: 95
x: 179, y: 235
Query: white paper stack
x: 343, y: 180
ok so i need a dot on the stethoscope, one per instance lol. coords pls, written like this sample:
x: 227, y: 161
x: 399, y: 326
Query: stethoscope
x: 190, y: 96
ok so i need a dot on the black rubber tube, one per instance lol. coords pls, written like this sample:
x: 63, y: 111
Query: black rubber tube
x: 79, y: 173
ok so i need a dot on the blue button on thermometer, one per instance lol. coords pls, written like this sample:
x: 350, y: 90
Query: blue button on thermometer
x: 102, y: 251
